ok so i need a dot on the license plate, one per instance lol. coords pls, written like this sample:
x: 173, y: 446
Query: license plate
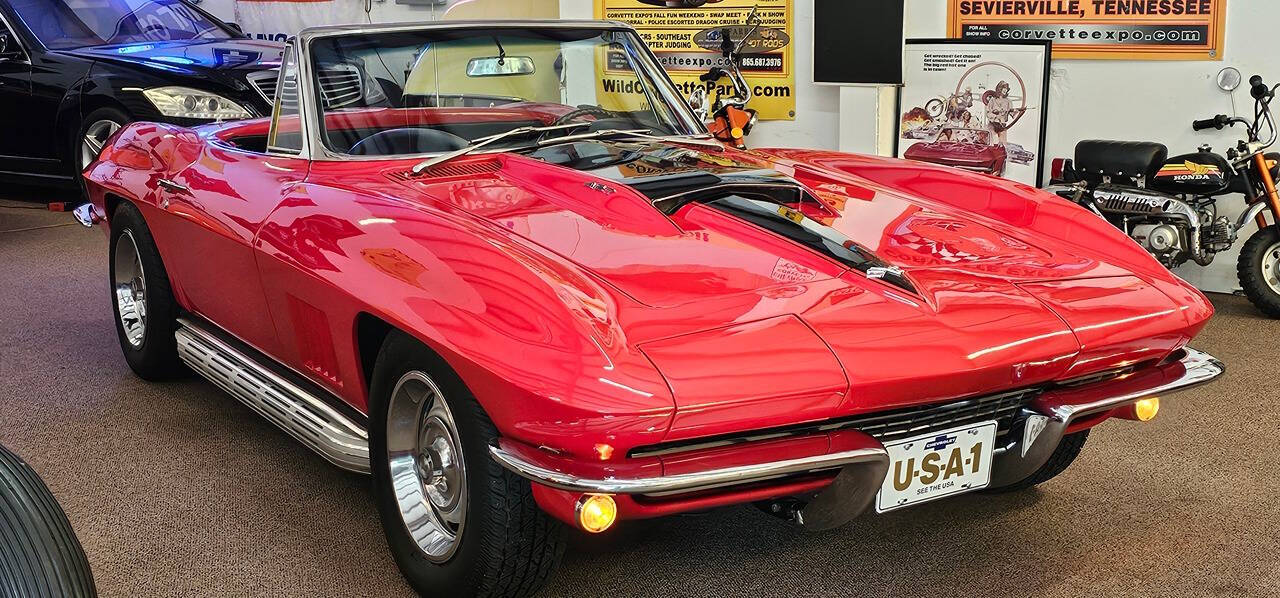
x: 937, y: 464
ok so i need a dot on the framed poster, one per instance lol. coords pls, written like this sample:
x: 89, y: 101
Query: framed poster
x: 1119, y: 29
x: 685, y: 36
x: 976, y: 106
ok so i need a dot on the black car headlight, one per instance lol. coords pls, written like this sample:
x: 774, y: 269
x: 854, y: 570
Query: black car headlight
x: 184, y: 102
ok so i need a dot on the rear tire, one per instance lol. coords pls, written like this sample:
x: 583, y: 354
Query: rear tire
x: 140, y: 291
x: 1259, y: 270
x: 40, y: 556
x: 499, y: 543
x: 1063, y: 456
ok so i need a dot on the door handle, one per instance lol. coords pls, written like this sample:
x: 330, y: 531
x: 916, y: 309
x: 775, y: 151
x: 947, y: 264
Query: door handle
x: 173, y: 187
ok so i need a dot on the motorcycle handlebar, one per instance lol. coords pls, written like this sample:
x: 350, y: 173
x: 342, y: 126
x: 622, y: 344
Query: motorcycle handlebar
x: 1212, y: 123
x: 1258, y: 89
x: 1216, y: 122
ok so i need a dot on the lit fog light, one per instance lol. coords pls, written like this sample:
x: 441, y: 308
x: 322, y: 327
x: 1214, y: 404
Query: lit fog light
x: 597, y: 512
x: 1146, y: 409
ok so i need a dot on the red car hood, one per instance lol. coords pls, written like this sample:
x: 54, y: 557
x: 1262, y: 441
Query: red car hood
x: 599, y: 213
x: 990, y: 305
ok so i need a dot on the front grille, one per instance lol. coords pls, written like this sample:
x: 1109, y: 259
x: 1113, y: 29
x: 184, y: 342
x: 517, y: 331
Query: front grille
x: 888, y: 426
x: 265, y: 83
x: 885, y: 426
x: 340, y: 85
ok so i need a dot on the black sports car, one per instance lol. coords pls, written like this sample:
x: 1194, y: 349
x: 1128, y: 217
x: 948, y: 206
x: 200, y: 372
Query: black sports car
x: 72, y: 72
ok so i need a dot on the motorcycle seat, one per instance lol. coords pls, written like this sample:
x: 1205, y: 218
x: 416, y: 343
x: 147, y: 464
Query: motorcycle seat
x: 1129, y: 159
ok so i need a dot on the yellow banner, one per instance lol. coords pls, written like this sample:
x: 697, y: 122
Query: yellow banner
x: 686, y: 40
x: 1124, y: 29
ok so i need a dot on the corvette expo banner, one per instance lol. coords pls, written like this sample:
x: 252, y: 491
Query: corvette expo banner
x: 686, y: 40
x: 1124, y: 29
x: 278, y: 20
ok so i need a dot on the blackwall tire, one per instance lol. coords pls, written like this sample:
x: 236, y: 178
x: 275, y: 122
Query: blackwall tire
x: 1068, y: 449
x: 1259, y: 270
x: 40, y: 556
x: 501, y: 543
x: 141, y: 298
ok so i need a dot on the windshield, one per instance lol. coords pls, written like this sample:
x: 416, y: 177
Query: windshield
x: 439, y: 90
x: 68, y: 24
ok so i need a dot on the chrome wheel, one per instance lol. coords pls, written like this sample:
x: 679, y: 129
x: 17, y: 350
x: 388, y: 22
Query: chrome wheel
x: 96, y: 136
x: 1271, y: 267
x: 130, y: 285
x: 428, y: 473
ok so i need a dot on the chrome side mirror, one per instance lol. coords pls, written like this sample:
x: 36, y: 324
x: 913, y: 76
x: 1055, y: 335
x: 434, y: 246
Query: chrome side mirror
x: 698, y: 102
x: 1229, y: 79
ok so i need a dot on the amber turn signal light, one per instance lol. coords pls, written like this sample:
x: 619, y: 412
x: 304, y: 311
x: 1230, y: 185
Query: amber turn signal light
x: 1146, y: 409
x: 597, y: 512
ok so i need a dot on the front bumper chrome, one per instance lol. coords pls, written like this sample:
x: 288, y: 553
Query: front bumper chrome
x: 863, y: 462
x: 1025, y: 455
x: 686, y: 482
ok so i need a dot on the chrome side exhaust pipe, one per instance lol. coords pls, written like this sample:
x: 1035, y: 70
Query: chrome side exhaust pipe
x: 304, y: 416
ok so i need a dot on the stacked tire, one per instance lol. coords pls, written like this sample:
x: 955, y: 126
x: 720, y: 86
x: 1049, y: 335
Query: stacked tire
x: 40, y: 556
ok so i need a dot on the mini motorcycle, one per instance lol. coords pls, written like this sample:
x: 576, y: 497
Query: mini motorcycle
x: 1169, y: 205
x: 729, y: 118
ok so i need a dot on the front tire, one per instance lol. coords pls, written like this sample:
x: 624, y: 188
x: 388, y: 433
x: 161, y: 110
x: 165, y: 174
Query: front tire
x: 1259, y: 270
x: 476, y: 530
x: 141, y: 298
x: 40, y: 555
x: 1068, y: 449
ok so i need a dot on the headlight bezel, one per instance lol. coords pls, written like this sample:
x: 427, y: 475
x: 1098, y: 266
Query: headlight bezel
x: 177, y: 101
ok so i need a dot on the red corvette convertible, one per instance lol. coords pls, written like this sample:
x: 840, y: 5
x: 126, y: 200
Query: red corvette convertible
x: 969, y: 149
x: 523, y: 301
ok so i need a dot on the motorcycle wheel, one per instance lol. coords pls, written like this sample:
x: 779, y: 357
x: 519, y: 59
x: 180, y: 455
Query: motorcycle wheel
x: 1259, y: 270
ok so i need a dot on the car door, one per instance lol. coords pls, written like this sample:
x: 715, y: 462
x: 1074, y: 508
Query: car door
x: 219, y: 197
x: 217, y: 203
x: 54, y: 151
x: 15, y: 95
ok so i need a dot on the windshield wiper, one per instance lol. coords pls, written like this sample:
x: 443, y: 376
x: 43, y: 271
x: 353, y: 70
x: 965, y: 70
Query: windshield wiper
x: 638, y: 133
x: 480, y: 142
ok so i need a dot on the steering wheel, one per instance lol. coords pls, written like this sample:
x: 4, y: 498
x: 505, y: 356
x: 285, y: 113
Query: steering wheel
x: 584, y: 110
x: 596, y: 112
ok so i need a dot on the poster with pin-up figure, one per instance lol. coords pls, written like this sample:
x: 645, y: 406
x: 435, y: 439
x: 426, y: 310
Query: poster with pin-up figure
x: 975, y: 106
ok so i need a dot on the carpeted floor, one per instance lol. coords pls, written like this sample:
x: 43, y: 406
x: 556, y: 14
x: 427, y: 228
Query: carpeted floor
x: 177, y: 490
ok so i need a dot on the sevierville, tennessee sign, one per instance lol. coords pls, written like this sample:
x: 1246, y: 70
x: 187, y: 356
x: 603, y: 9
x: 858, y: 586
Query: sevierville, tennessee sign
x: 1127, y: 29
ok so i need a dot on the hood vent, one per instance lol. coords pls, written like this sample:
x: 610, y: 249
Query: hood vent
x: 450, y: 170
x: 789, y: 211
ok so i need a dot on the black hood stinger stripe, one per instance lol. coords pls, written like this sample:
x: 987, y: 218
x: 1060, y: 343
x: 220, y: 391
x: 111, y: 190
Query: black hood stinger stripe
x: 672, y: 177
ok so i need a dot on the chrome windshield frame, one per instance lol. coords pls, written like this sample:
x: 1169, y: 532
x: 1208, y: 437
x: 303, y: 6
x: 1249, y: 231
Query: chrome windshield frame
x: 312, y: 128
